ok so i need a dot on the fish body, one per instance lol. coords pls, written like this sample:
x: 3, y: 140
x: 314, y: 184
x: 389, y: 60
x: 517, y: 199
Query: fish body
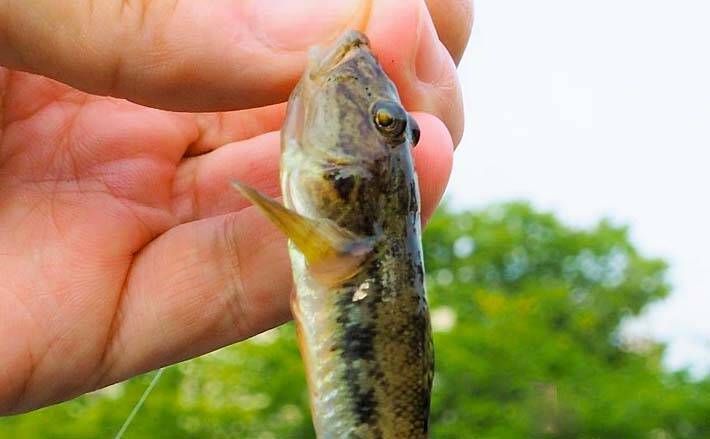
x: 359, y: 302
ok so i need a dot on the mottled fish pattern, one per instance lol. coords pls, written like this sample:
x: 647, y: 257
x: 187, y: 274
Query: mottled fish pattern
x: 351, y: 192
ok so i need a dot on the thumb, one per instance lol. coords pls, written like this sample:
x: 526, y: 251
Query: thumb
x: 238, y: 54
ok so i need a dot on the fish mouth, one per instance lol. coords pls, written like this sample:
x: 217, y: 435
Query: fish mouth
x: 346, y: 47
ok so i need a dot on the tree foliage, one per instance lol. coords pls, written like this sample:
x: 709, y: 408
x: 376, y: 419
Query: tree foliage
x: 526, y: 313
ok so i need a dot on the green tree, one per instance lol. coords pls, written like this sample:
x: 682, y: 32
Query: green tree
x: 536, y: 348
x: 526, y: 313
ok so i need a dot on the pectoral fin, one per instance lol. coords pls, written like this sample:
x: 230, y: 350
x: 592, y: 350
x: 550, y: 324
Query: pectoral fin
x: 333, y: 253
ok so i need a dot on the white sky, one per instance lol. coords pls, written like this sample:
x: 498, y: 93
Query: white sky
x: 594, y: 109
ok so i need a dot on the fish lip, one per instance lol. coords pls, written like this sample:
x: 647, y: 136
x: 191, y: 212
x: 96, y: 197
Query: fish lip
x: 344, y: 48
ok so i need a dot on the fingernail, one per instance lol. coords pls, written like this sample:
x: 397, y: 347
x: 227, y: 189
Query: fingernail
x: 298, y: 24
x: 431, y: 54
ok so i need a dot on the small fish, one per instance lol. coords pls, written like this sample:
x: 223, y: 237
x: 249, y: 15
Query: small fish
x: 351, y: 213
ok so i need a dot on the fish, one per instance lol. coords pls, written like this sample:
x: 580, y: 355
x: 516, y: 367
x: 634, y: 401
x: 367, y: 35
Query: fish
x: 351, y: 211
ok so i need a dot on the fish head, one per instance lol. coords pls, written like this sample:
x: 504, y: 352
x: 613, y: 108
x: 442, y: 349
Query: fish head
x: 344, y: 130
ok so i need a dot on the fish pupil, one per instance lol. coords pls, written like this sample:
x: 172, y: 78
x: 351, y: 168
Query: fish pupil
x: 390, y: 119
x: 384, y: 118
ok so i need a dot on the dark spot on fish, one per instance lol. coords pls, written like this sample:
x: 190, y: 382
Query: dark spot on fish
x: 344, y: 185
x: 357, y: 342
x: 413, y: 202
x: 419, y: 267
x: 356, y: 346
x: 426, y: 408
x: 363, y: 400
x: 374, y: 273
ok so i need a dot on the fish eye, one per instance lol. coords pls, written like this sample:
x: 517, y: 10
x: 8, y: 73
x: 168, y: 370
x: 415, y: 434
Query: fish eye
x: 390, y: 119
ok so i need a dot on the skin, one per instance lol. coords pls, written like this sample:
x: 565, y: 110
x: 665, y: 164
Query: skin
x: 366, y: 341
x: 122, y: 247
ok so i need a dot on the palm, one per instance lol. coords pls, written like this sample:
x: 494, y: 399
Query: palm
x: 88, y: 183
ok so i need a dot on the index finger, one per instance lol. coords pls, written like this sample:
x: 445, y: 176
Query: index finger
x: 212, y: 56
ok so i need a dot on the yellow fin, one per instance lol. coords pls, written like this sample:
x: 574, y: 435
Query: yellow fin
x: 333, y: 253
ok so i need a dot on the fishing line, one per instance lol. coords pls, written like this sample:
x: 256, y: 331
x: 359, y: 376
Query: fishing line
x: 139, y: 404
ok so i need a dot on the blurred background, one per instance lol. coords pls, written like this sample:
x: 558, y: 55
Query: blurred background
x: 567, y: 269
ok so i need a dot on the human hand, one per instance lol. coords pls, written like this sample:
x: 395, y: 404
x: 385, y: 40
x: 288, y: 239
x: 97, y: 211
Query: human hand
x: 122, y: 246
